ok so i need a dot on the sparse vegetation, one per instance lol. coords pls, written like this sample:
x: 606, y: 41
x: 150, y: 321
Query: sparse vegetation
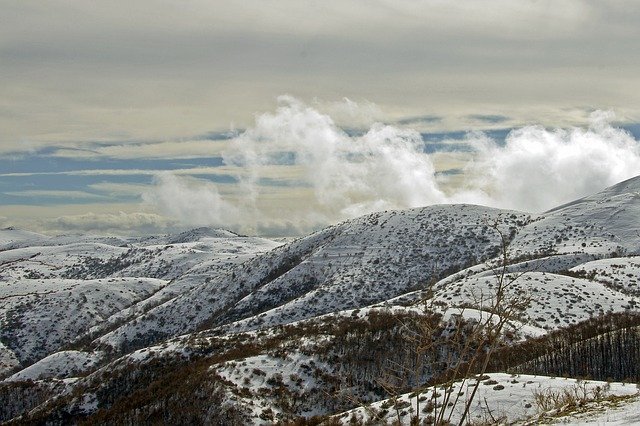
x: 324, y: 324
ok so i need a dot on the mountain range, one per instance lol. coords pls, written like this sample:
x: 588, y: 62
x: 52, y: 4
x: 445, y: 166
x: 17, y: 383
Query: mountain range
x: 208, y: 326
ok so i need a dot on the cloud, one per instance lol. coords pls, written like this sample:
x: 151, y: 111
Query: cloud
x: 350, y: 175
x: 336, y: 176
x: 349, y: 114
x: 118, y: 223
x: 101, y: 70
x: 73, y: 195
x: 489, y: 118
x: 537, y: 169
x: 419, y: 120
x: 344, y: 176
x: 213, y: 171
x: 193, y: 201
x: 113, y: 189
x: 153, y: 150
x: 296, y: 169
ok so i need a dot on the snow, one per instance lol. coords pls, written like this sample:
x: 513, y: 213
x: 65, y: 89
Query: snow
x: 140, y: 298
x: 509, y: 397
x: 8, y: 360
x: 296, y: 372
x: 622, y: 413
x: 39, y: 316
x: 556, y: 300
x: 11, y: 237
x: 61, y: 364
x: 56, y: 290
x: 622, y: 274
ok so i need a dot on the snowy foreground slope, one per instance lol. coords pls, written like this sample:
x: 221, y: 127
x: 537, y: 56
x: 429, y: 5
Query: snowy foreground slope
x: 509, y: 398
x: 112, y: 330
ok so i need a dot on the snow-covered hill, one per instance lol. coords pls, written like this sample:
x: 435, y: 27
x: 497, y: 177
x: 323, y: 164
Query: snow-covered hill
x: 13, y: 237
x: 57, y: 291
x: 269, y: 329
x: 350, y: 265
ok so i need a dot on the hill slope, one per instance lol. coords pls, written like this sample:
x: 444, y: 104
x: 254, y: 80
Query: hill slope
x: 268, y: 330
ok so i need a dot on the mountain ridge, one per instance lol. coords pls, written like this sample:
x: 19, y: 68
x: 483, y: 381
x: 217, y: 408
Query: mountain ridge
x: 217, y: 292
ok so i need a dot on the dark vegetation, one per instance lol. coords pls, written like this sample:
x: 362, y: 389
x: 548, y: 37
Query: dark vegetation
x: 350, y: 360
x: 602, y: 348
x: 182, y: 390
x: 366, y: 357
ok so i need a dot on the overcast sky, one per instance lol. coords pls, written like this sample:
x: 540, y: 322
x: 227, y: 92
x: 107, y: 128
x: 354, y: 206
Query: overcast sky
x: 136, y: 86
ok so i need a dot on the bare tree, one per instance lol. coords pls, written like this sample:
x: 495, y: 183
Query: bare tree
x: 461, y: 355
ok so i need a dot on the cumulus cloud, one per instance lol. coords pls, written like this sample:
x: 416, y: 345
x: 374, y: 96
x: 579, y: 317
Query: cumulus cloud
x: 336, y: 175
x: 384, y: 168
x: 350, y: 114
x: 537, y: 169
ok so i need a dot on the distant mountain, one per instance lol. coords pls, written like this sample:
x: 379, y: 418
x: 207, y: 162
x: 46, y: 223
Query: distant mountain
x: 274, y: 331
x: 197, y: 234
x: 55, y: 293
x: 13, y: 237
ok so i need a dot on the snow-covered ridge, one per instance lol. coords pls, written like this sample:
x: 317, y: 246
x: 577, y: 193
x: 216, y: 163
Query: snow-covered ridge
x: 56, y: 291
x: 72, y: 305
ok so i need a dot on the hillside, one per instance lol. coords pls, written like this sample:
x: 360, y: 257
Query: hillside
x: 58, y: 293
x: 350, y: 265
x: 313, y: 327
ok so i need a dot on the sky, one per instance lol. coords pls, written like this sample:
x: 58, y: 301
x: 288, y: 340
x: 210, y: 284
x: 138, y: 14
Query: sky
x: 280, y: 117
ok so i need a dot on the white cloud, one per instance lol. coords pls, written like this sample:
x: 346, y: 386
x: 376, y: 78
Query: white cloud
x: 537, y: 169
x: 297, y: 170
x: 344, y: 176
x: 193, y: 201
x: 384, y: 168
x: 118, y: 223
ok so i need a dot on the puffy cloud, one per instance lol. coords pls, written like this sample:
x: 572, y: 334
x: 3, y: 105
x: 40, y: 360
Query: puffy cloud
x: 337, y: 175
x: 345, y: 176
x: 537, y: 169
x: 350, y: 175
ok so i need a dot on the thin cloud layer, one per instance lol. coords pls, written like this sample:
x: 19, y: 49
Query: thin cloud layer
x: 344, y: 176
x: 118, y: 223
x: 110, y: 71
